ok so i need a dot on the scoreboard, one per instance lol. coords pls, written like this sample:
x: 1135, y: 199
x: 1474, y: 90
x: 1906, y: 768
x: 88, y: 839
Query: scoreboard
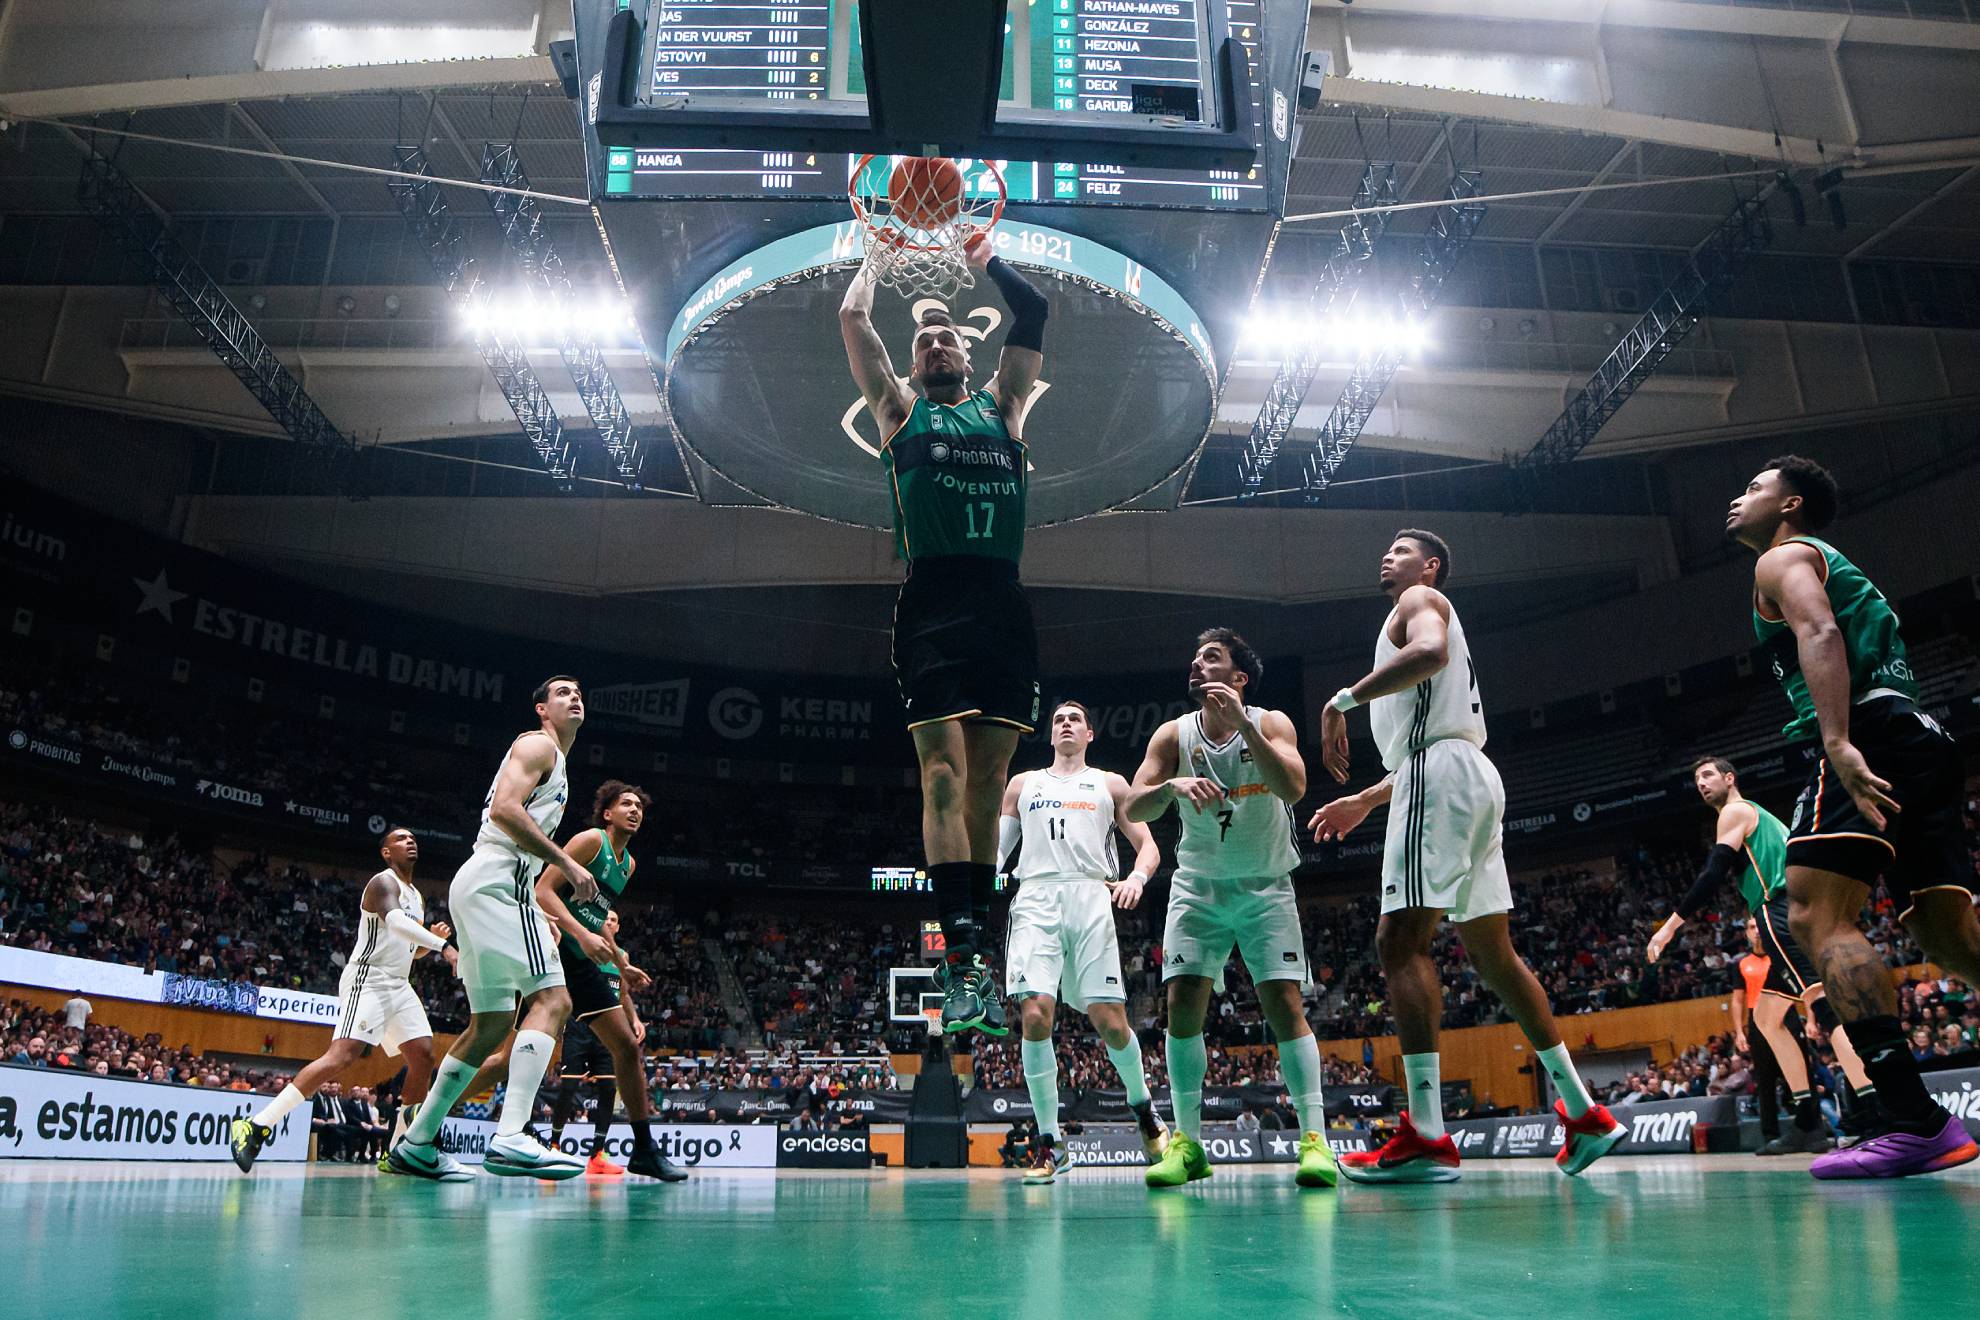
x: 1082, y: 58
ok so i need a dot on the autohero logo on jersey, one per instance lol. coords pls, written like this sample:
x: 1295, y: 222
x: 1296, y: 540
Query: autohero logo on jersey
x: 219, y: 792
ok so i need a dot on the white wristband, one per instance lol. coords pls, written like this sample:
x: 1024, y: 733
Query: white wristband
x: 1344, y: 700
x: 1136, y: 877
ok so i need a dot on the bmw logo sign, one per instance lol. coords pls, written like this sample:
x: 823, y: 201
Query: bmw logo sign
x: 939, y: 452
x: 1582, y: 811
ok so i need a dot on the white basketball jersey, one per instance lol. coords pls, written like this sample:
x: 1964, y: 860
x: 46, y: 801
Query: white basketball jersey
x: 378, y: 952
x: 1445, y: 705
x: 545, y: 805
x: 1250, y: 834
x: 1068, y: 827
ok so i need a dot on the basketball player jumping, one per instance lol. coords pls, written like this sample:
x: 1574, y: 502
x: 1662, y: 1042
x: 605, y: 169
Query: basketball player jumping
x: 1885, y: 799
x: 603, y: 1020
x: 1061, y: 940
x: 1234, y: 771
x: 1752, y: 842
x: 965, y: 653
x: 507, y: 949
x: 378, y: 1002
x: 1443, y: 854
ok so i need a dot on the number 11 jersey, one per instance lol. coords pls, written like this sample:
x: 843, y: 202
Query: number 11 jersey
x: 1247, y: 835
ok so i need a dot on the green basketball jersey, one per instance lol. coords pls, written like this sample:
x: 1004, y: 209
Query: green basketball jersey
x: 611, y: 870
x: 1870, y: 635
x: 1766, y: 860
x: 958, y: 481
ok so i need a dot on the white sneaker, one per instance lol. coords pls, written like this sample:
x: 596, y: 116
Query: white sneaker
x: 427, y: 1161
x: 523, y: 1156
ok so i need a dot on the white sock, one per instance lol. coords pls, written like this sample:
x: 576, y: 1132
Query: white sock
x: 529, y: 1059
x: 1041, y: 1078
x: 1423, y: 1077
x: 449, y: 1080
x: 398, y: 1125
x: 1188, y: 1062
x: 1134, y: 1073
x: 278, y: 1109
x: 1299, y: 1064
x: 1567, y: 1081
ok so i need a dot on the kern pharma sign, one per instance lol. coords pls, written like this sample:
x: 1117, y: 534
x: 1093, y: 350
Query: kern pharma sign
x: 52, y: 1113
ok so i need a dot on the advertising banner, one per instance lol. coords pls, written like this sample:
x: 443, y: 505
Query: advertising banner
x: 52, y: 1113
x: 55, y: 971
x: 694, y: 1146
x: 1223, y: 1143
x: 1220, y: 1103
x: 1663, y: 1127
x: 850, y: 1149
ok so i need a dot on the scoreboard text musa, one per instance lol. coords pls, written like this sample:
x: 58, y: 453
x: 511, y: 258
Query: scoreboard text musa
x: 1087, y: 58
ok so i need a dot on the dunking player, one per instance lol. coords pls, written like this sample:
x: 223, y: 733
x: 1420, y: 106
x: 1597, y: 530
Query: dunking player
x: 378, y: 1003
x: 506, y: 949
x: 965, y: 653
x: 1442, y: 855
x: 1752, y: 843
x: 604, y: 1031
x: 1885, y: 799
x: 1061, y: 940
x: 1234, y: 770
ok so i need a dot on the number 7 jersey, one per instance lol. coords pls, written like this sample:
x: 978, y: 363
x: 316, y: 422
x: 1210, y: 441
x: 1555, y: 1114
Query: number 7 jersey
x: 1250, y: 833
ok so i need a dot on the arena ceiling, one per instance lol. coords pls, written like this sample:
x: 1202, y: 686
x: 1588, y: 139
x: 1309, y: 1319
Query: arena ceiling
x: 1673, y: 89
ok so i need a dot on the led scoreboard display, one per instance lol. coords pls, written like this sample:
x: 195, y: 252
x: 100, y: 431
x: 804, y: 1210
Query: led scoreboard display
x: 1082, y: 57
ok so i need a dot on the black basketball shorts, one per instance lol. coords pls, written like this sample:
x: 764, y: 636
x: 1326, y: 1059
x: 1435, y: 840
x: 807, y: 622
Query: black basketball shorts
x: 964, y: 645
x: 1790, y: 973
x: 584, y: 1054
x: 1920, y: 848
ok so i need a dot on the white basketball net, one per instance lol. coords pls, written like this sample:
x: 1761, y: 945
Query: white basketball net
x: 917, y: 259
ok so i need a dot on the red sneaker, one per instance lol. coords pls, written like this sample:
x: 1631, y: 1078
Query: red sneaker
x: 600, y: 1167
x: 1589, y: 1137
x: 1405, y: 1157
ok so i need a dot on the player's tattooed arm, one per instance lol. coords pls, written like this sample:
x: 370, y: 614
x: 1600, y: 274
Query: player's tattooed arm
x: 1789, y: 579
x: 866, y: 354
x: 381, y: 894
x: 549, y: 896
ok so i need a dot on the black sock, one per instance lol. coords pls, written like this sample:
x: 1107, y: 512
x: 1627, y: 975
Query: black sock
x: 951, y: 883
x: 1807, y: 1113
x: 982, y: 889
x: 601, y: 1117
x: 1879, y: 1041
x: 642, y: 1134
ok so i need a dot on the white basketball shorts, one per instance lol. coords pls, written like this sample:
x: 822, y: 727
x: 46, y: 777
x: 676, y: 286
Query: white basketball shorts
x: 1060, y: 942
x: 1208, y: 918
x: 378, y: 1007
x: 508, y: 950
x: 1444, y: 847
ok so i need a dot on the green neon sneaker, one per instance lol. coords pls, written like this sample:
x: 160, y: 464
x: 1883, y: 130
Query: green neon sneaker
x: 1316, y: 1162
x: 1183, y: 1162
x: 246, y: 1140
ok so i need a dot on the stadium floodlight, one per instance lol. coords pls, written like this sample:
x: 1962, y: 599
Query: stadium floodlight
x: 1350, y: 337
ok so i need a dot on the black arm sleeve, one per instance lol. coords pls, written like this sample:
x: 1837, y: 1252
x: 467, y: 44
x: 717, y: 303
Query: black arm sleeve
x: 1027, y: 304
x: 1719, y: 865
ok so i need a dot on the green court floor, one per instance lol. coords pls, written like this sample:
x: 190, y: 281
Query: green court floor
x: 1648, y: 1236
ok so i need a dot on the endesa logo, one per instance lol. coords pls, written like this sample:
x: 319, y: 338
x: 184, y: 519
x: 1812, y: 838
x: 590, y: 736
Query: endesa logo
x: 823, y: 1144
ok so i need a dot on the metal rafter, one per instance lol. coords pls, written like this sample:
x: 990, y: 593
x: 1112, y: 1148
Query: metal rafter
x: 521, y: 222
x: 139, y: 230
x: 1339, y: 280
x: 1443, y: 246
x: 447, y: 248
x: 1645, y: 345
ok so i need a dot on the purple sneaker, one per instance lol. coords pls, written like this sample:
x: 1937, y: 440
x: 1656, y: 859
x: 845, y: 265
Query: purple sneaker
x: 1900, y: 1154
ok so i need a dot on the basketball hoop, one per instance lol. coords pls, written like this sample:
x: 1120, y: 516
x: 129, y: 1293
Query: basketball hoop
x: 915, y: 225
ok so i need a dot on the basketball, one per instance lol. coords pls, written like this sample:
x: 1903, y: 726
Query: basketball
x: 926, y: 191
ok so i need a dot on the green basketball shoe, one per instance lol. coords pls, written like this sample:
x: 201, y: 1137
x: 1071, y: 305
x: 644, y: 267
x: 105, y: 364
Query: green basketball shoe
x: 1183, y: 1162
x: 1317, y: 1167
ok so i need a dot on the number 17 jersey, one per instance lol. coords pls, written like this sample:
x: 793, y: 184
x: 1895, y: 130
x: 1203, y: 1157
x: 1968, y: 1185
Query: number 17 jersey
x: 1247, y: 835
